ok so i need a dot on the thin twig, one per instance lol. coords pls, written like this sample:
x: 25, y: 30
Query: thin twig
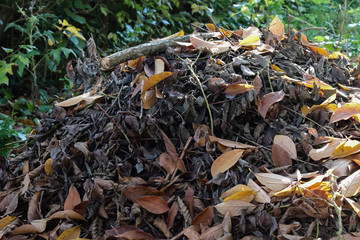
x: 116, y: 124
x: 312, y: 28
x: 217, y: 29
x: 342, y: 25
x: 199, y: 28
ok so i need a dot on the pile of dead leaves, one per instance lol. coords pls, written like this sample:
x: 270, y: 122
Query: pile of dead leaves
x: 249, y: 135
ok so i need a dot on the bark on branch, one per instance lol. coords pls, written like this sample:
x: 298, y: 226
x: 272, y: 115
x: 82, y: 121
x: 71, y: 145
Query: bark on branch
x: 145, y: 49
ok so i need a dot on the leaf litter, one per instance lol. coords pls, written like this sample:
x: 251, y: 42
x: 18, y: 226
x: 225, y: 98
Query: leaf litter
x: 248, y: 135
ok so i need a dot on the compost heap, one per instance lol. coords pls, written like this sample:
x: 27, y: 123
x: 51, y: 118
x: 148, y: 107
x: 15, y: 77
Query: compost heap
x: 247, y: 134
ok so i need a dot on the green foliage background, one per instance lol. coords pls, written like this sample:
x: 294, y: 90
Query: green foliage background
x: 31, y: 69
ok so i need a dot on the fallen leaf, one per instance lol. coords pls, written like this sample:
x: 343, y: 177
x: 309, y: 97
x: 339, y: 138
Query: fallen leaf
x: 345, y: 149
x: 268, y: 100
x: 251, y: 40
x: 235, y: 207
x: 148, y: 99
x: 66, y: 214
x: 86, y: 98
x: 167, y: 163
x: 133, y: 193
x: 72, y: 199
x: 283, y: 150
x: 6, y: 221
x: 47, y: 166
x: 350, y: 186
x: 204, y: 218
x: 229, y: 143
x: 239, y: 192
x: 346, y: 111
x: 226, y: 161
x: 326, y: 151
x: 238, y: 88
x: 354, y: 205
x: 33, y: 210
x: 273, y: 181
x: 260, y: 196
x: 70, y: 234
x: 153, y: 204
x: 154, y: 79
x: 277, y: 28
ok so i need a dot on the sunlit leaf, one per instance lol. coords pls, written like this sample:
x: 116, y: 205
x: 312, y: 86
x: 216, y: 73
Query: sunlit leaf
x: 226, y: 161
x: 345, y: 149
x: 239, y: 192
x: 235, y: 207
x: 273, y: 181
x: 350, y: 186
x: 277, y: 28
x: 251, y: 40
x: 47, y: 166
x: 260, y: 196
x: 86, y: 98
x: 154, y: 79
x: 346, y: 111
x: 268, y: 100
x: 238, y: 88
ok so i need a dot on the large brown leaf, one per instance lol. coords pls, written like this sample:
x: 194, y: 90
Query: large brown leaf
x: 226, y: 161
x: 153, y: 204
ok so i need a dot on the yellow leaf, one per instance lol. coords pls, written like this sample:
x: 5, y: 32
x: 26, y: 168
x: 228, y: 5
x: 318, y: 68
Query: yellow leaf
x: 6, y: 221
x: 64, y: 23
x: 250, y: 40
x: 326, y: 151
x: 154, y: 79
x: 239, y: 88
x: 347, y: 148
x: 336, y: 55
x: 319, y: 50
x: 148, y: 99
x: 47, y: 166
x: 210, y: 27
x: 75, y: 31
x: 276, y: 68
x: 51, y: 43
x: 346, y: 111
x: 324, y: 105
x: 226, y: 161
x: 277, y: 28
x: 70, y: 234
x: 240, y: 188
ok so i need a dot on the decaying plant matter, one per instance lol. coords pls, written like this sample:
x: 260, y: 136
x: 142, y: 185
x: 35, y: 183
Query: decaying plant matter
x: 249, y: 135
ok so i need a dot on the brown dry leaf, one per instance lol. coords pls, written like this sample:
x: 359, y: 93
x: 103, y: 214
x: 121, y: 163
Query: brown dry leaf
x: 86, y: 98
x: 354, y: 205
x: 345, y: 149
x: 70, y: 234
x: 167, y: 163
x: 148, y: 99
x: 153, y: 204
x: 191, y: 233
x: 277, y: 28
x: 273, y: 181
x: 239, y: 192
x: 213, y: 47
x: 133, y: 193
x: 238, y: 88
x: 226, y: 161
x: 257, y: 84
x: 260, y: 196
x: 33, y: 210
x: 66, y: 214
x: 171, y: 150
x: 339, y: 167
x: 283, y: 150
x: 6, y: 221
x: 326, y: 151
x: 204, y: 218
x: 24, y: 229
x: 72, y: 199
x: 286, y: 143
x: 346, y: 111
x: 154, y: 79
x: 47, y: 166
x: 235, y: 207
x: 229, y: 143
x: 10, y: 202
x: 25, y: 184
x: 350, y: 186
x: 172, y: 214
x: 268, y: 100
x: 280, y: 156
x: 213, y: 233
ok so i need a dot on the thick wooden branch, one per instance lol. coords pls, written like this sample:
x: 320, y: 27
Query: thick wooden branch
x: 147, y: 49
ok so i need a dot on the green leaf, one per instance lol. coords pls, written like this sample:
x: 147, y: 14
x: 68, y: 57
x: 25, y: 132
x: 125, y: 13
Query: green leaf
x: 4, y: 79
x: 7, y: 50
x: 56, y: 55
x: 67, y: 51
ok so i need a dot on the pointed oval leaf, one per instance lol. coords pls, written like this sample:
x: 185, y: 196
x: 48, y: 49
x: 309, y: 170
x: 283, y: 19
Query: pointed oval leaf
x: 350, y: 186
x: 226, y: 161
x: 273, y: 181
x: 235, y: 207
x: 66, y: 214
x: 205, y: 217
x: 6, y: 221
x: 154, y: 79
x: 72, y: 199
x: 153, y: 204
x: 286, y: 143
x: 261, y: 196
x: 268, y: 100
x: 277, y: 28
x: 348, y: 148
x: 238, y: 88
x: 70, y: 234
x: 345, y: 112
